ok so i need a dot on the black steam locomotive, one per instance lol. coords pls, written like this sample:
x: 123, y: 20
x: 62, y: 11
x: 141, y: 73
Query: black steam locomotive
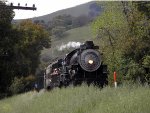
x: 83, y: 64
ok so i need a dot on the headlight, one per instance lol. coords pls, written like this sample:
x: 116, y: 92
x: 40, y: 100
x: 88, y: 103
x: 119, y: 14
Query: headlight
x: 90, y: 61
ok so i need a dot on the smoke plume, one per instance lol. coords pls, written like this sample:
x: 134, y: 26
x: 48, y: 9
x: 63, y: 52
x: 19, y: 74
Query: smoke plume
x: 69, y: 45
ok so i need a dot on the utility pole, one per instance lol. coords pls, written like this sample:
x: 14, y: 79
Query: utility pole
x: 21, y: 7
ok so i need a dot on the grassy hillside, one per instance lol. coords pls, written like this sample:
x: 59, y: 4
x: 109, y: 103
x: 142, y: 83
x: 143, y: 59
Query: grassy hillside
x: 80, y: 34
x: 76, y: 11
x: 125, y: 99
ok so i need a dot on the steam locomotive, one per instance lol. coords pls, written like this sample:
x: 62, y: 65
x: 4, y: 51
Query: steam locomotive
x: 83, y: 64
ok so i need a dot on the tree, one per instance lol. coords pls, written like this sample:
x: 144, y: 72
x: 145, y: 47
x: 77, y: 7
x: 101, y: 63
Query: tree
x: 6, y: 15
x: 20, y: 47
x: 33, y: 39
x: 17, y: 85
x: 110, y: 27
x: 30, y: 39
x: 124, y: 31
x: 137, y: 43
x: 42, y: 23
x: 60, y: 24
x: 61, y: 20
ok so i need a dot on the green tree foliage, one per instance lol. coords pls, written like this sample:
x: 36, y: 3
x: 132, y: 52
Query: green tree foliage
x: 146, y: 61
x: 33, y: 39
x: 42, y: 23
x: 109, y: 27
x: 136, y: 45
x: 123, y: 30
x: 60, y: 24
x: 6, y: 16
x: 22, y: 84
x: 20, y: 47
x: 17, y: 85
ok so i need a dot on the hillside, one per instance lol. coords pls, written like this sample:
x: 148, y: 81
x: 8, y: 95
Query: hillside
x: 76, y: 11
x: 75, y: 34
x: 125, y: 99
x: 80, y: 34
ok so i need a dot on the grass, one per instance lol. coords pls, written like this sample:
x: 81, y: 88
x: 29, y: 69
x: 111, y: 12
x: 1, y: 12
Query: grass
x: 124, y: 99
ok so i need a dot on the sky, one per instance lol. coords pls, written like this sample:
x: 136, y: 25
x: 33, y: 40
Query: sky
x: 43, y: 7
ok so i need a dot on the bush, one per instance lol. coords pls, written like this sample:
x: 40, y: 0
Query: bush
x: 17, y: 85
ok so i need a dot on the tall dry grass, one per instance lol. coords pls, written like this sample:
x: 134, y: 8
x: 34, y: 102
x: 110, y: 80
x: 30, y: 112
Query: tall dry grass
x: 83, y: 99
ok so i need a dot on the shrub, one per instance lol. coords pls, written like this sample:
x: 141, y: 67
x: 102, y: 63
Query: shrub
x: 17, y: 85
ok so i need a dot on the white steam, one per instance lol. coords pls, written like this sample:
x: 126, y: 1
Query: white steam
x: 69, y: 45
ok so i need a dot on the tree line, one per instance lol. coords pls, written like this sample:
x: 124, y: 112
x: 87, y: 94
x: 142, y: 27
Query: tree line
x: 61, y: 23
x: 20, y: 46
x: 123, y: 31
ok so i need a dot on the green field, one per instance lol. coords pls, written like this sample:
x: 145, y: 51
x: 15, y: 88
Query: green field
x: 124, y: 99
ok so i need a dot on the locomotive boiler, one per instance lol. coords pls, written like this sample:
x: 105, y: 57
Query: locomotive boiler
x: 83, y: 64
